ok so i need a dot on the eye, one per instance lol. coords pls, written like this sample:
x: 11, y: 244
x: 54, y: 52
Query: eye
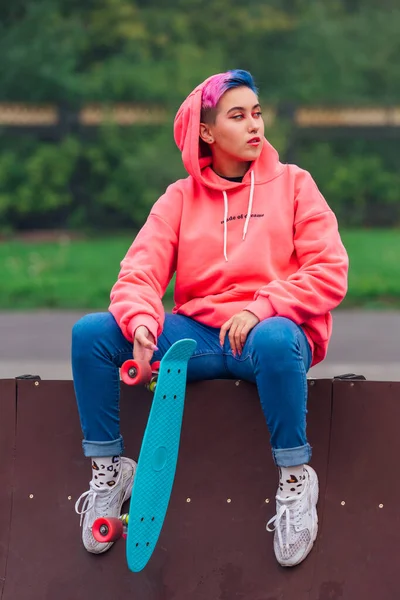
x: 237, y: 117
x: 258, y: 114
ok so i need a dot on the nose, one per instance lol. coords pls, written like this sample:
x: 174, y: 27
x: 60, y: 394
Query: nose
x: 253, y: 125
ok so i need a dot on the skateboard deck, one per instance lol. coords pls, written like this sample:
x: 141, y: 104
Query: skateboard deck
x: 158, y: 456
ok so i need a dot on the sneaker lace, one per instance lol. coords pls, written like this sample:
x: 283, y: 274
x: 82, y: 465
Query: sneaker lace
x: 290, y: 513
x: 89, y: 498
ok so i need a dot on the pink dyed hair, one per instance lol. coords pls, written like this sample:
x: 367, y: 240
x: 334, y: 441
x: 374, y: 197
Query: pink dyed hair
x: 216, y: 87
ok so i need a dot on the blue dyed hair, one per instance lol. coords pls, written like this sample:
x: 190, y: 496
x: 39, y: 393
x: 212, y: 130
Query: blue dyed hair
x: 216, y: 87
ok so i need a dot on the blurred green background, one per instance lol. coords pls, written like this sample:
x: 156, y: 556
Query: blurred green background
x: 91, y: 188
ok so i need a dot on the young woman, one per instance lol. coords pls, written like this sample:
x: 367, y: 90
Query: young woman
x: 259, y: 266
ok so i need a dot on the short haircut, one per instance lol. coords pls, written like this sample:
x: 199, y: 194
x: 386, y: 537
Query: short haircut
x: 216, y: 87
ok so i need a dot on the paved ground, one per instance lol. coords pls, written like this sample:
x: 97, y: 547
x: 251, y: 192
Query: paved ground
x: 38, y: 343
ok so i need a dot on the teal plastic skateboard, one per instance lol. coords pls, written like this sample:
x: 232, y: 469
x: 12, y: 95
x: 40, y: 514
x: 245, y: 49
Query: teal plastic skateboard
x: 158, y: 455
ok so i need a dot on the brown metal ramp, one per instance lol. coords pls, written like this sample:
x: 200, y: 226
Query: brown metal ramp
x: 213, y: 545
x: 358, y: 550
x: 7, y: 442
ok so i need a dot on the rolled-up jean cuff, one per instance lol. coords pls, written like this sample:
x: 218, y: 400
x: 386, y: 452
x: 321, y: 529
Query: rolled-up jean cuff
x: 291, y: 457
x: 112, y: 448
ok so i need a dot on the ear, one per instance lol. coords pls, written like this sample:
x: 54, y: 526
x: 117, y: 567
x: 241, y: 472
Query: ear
x: 206, y: 134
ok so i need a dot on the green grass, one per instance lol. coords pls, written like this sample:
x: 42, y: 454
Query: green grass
x: 79, y: 274
x: 67, y: 274
x: 374, y: 274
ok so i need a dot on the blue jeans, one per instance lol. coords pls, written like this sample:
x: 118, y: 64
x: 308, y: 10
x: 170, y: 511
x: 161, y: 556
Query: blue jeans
x: 276, y: 357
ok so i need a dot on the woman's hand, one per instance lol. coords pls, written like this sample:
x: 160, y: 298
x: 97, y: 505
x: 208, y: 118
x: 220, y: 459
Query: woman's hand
x: 238, y: 326
x: 143, y: 344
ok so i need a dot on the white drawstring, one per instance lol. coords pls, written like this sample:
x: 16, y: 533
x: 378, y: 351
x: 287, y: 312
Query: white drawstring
x: 250, y: 205
x: 249, y: 209
x: 225, y: 223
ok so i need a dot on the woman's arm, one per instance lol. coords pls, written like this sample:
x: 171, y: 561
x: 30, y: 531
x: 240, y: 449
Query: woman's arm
x: 146, y: 270
x: 320, y: 283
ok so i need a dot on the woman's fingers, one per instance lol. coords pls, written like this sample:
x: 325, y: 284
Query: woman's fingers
x: 240, y: 337
x: 224, y: 329
x: 143, y: 346
x: 239, y: 327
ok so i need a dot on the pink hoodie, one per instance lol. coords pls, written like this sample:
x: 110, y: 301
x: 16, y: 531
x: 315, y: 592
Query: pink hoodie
x: 269, y: 244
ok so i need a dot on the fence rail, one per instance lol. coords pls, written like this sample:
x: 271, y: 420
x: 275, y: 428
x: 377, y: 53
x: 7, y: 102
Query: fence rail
x: 124, y: 114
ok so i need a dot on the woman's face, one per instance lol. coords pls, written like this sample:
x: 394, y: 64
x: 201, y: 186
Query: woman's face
x: 238, y: 131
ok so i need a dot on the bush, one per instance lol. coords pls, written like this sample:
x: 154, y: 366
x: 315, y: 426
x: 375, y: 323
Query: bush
x: 34, y: 184
x: 359, y: 187
x: 111, y: 179
x: 121, y: 174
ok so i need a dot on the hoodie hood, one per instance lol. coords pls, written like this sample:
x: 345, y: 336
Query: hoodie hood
x: 196, y: 155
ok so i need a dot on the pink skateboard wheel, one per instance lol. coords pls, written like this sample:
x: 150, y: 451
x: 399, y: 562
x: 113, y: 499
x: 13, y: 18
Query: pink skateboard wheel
x: 107, y: 529
x: 136, y: 371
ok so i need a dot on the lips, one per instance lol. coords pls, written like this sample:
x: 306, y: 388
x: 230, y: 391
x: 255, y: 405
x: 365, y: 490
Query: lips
x: 254, y: 141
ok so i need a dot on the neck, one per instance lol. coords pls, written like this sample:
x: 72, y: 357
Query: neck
x: 229, y: 168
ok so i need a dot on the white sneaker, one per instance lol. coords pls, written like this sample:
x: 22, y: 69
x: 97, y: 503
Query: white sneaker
x: 296, y: 523
x: 105, y: 503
